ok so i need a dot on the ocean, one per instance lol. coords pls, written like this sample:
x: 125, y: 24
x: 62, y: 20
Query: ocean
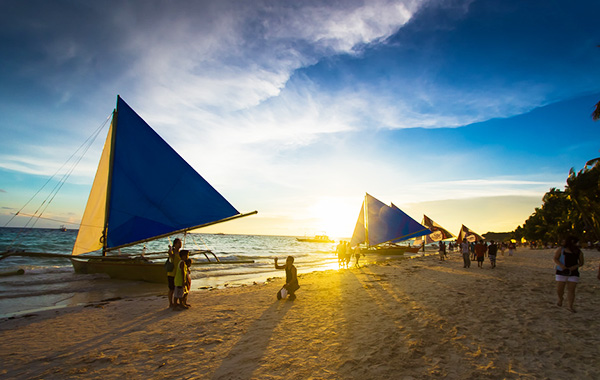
x: 51, y: 282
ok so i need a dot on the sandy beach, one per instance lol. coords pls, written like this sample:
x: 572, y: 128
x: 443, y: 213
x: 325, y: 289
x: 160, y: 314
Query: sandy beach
x: 404, y: 319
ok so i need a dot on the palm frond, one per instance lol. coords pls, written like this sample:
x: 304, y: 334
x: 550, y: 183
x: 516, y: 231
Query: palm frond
x: 596, y: 113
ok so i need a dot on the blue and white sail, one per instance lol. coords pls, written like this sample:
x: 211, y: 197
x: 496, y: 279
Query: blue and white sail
x: 144, y: 190
x: 379, y: 223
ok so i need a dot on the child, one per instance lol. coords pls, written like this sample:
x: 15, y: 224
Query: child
x: 188, y: 280
x: 180, y: 293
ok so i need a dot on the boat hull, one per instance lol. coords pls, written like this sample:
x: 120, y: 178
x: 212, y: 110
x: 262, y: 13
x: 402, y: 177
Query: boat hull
x: 125, y: 269
x: 311, y: 240
x: 395, y: 250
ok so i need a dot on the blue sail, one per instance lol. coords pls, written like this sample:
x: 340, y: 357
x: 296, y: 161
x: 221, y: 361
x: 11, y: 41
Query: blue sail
x: 384, y: 224
x: 153, y: 190
x: 408, y: 227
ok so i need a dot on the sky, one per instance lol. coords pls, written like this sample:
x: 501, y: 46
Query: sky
x: 466, y: 111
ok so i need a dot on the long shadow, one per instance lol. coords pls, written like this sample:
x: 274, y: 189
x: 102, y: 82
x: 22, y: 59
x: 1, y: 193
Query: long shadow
x: 238, y: 364
x: 134, y: 325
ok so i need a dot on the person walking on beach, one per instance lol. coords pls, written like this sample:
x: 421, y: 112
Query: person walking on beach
x: 568, y: 259
x: 180, y: 294
x: 464, y: 248
x: 348, y: 255
x: 341, y: 251
x: 492, y: 252
x: 512, y: 247
x: 357, y: 255
x: 174, y: 259
x: 442, y: 250
x: 480, y: 249
x: 291, y: 278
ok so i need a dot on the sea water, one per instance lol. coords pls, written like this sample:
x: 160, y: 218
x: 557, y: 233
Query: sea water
x: 51, y: 282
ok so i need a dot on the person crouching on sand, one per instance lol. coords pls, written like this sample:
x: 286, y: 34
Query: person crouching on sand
x: 291, y: 278
x: 180, y: 293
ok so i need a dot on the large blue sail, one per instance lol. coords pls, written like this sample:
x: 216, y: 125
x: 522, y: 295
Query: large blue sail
x: 153, y: 190
x: 384, y: 224
x: 407, y: 227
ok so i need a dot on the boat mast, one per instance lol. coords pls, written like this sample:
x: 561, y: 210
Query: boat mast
x: 109, y: 182
x: 366, y: 219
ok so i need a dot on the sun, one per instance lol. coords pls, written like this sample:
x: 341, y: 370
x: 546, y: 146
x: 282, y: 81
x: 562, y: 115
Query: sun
x: 335, y: 217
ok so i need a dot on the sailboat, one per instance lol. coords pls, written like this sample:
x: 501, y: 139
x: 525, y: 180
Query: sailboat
x: 439, y: 233
x: 380, y: 226
x: 143, y: 190
x: 467, y: 234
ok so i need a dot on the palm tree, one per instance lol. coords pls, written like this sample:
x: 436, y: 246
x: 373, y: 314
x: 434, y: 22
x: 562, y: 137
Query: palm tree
x: 596, y: 113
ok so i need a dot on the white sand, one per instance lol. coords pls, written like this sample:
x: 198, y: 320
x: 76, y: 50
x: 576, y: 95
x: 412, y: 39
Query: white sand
x: 411, y: 319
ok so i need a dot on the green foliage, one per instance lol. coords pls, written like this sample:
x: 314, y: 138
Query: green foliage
x: 574, y: 211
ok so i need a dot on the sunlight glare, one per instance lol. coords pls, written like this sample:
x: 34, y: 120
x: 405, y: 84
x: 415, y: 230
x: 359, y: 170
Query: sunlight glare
x: 335, y: 217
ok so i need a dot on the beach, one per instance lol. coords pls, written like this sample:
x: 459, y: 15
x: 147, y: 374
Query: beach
x: 401, y: 319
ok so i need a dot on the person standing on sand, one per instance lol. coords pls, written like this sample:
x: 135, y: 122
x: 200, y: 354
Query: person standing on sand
x: 568, y: 259
x: 480, y: 249
x: 442, y: 250
x: 492, y: 252
x: 173, y: 258
x: 291, y: 278
x: 464, y: 248
x: 181, y: 274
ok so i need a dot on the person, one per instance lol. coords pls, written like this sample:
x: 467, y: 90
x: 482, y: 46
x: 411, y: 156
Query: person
x: 512, y: 247
x: 568, y: 259
x: 341, y: 251
x: 173, y: 258
x: 348, y: 256
x: 480, y: 249
x: 180, y: 294
x: 442, y: 250
x: 188, y: 279
x: 492, y: 252
x: 357, y: 255
x: 291, y: 278
x: 464, y: 248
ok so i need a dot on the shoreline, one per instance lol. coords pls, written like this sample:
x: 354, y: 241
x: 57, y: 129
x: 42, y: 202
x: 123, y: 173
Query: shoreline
x: 96, y: 288
x: 410, y: 319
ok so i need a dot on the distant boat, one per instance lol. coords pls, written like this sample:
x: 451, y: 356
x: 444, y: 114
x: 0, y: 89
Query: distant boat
x: 381, y: 227
x: 62, y: 228
x: 143, y: 190
x: 316, y: 239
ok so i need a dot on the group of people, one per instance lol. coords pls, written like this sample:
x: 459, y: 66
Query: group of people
x: 568, y: 259
x: 478, y: 250
x: 345, y: 252
x: 179, y: 278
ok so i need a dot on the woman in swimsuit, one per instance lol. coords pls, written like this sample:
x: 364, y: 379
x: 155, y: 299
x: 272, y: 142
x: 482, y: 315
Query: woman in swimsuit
x: 568, y: 259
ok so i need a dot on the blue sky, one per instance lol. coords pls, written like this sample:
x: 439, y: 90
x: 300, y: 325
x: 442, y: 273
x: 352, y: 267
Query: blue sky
x: 467, y: 111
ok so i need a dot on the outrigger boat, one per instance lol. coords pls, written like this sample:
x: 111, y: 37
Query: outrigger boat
x: 381, y: 227
x: 143, y: 190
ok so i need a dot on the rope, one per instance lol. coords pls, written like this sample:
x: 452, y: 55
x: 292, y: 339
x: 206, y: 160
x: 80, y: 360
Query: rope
x: 81, y: 150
